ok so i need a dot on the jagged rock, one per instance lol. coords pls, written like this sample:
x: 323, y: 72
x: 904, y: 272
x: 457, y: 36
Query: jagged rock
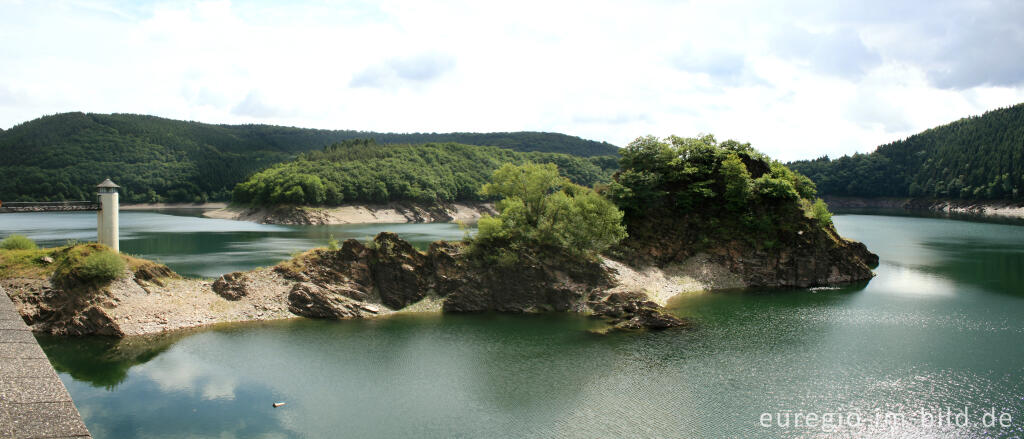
x: 311, y: 300
x: 803, y: 255
x: 632, y: 310
x: 523, y: 288
x: 231, y: 286
x: 399, y: 271
x: 154, y: 273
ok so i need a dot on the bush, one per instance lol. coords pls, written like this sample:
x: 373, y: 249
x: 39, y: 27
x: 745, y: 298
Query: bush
x: 101, y: 267
x: 541, y: 210
x: 820, y: 211
x: 87, y: 264
x: 17, y: 242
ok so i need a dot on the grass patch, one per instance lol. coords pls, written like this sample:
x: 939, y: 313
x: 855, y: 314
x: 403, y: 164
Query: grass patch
x: 297, y: 264
x: 87, y: 264
x: 25, y: 263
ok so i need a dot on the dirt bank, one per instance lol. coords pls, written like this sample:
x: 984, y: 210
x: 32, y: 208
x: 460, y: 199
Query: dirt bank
x: 357, y: 214
x: 158, y: 206
x: 995, y: 209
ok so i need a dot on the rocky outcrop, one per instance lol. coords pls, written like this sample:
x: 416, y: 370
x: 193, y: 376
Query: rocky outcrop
x: 815, y: 258
x: 313, y: 301
x: 154, y: 273
x: 390, y: 272
x: 632, y: 311
x: 231, y: 286
x: 400, y: 272
x: 51, y: 310
x: 804, y: 254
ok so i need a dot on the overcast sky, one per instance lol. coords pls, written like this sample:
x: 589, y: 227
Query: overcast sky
x: 798, y: 79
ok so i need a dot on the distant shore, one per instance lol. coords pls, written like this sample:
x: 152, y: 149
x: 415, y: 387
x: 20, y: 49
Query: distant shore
x: 396, y: 212
x: 993, y: 209
x: 152, y: 206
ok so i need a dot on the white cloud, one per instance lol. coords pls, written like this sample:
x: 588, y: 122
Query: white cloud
x: 798, y: 79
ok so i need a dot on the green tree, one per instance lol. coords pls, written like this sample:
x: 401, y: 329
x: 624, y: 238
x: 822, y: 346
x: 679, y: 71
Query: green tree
x: 541, y: 210
x: 737, y: 182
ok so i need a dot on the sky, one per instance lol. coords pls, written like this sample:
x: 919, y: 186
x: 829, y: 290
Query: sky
x: 797, y: 79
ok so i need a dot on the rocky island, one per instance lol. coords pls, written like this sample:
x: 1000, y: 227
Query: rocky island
x: 681, y: 215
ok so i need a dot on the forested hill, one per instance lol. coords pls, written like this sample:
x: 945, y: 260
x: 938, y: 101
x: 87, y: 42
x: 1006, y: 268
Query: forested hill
x: 155, y: 159
x: 361, y: 171
x: 976, y: 158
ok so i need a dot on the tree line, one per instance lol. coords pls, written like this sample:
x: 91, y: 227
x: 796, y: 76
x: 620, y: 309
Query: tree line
x: 976, y: 158
x: 364, y: 171
x: 63, y: 156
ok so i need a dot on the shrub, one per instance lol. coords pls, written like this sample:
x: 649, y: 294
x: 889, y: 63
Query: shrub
x: 540, y: 209
x: 17, y: 242
x: 820, y: 211
x: 100, y: 267
x: 87, y: 264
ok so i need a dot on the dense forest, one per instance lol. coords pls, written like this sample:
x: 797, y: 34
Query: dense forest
x: 365, y: 171
x: 63, y: 157
x: 975, y: 158
x: 690, y: 193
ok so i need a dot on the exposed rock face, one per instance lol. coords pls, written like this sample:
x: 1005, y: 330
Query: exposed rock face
x: 633, y: 310
x: 231, y: 286
x: 523, y: 288
x: 311, y: 300
x: 806, y: 256
x: 50, y: 310
x: 401, y: 273
x: 344, y: 282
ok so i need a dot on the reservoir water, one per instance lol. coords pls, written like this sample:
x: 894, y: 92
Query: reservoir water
x: 931, y: 347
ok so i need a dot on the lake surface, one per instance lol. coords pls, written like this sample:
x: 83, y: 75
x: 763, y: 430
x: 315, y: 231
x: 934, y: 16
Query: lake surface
x: 205, y: 247
x: 940, y: 328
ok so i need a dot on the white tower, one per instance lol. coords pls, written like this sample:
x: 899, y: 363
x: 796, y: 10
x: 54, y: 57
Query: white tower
x: 106, y: 220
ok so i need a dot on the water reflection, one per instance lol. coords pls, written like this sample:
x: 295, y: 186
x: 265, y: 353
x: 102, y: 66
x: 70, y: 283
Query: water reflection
x: 104, y: 361
x: 922, y: 334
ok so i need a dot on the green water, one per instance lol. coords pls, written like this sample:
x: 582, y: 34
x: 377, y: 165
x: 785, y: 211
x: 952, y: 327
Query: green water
x: 204, y: 247
x: 940, y: 327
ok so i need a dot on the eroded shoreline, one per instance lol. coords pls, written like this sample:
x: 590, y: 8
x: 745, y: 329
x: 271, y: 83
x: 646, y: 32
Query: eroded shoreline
x: 389, y: 213
x: 988, y: 209
x: 354, y: 282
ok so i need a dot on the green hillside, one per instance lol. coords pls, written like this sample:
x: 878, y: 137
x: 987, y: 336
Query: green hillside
x: 975, y: 158
x: 364, y: 171
x: 155, y: 159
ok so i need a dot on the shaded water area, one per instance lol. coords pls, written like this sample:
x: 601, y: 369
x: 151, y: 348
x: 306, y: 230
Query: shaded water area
x: 938, y: 329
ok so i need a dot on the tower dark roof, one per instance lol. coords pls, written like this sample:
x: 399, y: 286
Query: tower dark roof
x: 107, y: 183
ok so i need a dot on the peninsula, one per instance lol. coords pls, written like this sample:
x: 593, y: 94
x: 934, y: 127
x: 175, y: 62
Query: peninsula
x: 681, y: 215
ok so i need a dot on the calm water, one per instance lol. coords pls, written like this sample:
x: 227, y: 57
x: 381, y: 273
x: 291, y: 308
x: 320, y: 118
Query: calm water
x: 204, y: 247
x: 940, y: 327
